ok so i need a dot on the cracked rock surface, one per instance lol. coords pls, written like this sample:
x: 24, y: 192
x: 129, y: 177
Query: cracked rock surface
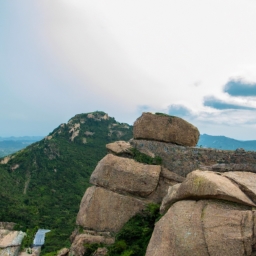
x: 208, y: 214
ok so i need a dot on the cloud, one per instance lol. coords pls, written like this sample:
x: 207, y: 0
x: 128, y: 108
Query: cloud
x: 179, y: 110
x: 237, y: 123
x: 221, y: 105
x: 240, y: 88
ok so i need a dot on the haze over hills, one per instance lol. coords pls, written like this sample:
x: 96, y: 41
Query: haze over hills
x: 225, y: 143
x: 9, y: 145
x: 42, y: 185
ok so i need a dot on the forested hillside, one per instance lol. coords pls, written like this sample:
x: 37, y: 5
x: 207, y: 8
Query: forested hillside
x: 43, y: 184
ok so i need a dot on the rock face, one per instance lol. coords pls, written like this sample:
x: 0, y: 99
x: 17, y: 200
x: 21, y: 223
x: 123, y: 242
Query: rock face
x: 210, y: 212
x: 103, y: 210
x: 183, y: 160
x: 205, y: 184
x: 245, y: 181
x: 202, y: 228
x: 78, y: 247
x: 165, y: 128
x: 224, y: 226
x: 10, y: 242
x: 119, y: 147
x: 125, y: 175
x: 123, y: 188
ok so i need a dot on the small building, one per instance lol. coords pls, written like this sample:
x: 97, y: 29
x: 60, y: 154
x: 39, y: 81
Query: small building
x: 40, y: 237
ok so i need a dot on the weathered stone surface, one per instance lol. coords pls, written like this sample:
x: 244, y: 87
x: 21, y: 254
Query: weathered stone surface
x: 246, y: 181
x: 119, y: 147
x: 125, y: 175
x: 183, y: 160
x: 165, y: 128
x: 78, y: 248
x: 228, y: 229
x: 101, y: 252
x: 179, y: 232
x: 63, y: 252
x: 234, y: 167
x: 10, y: 242
x: 161, y: 190
x: 172, y: 176
x: 205, y: 184
x: 167, y: 200
x: 103, y: 210
x: 203, y: 228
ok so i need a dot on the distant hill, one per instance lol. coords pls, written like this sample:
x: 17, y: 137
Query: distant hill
x: 225, y: 143
x: 9, y: 145
x: 42, y: 185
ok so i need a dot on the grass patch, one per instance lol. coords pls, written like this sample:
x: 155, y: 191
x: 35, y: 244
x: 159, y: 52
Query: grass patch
x: 143, y: 158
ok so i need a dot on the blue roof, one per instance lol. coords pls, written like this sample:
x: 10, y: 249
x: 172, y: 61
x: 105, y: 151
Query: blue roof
x: 40, y: 236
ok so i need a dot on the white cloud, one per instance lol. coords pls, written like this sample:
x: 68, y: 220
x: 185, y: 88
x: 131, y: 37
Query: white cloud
x: 159, y: 50
x: 127, y: 54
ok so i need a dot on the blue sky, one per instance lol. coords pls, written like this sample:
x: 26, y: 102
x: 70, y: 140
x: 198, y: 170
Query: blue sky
x: 195, y: 59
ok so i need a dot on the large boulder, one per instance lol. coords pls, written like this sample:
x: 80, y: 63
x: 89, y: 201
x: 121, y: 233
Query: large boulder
x: 206, y: 184
x: 103, y: 210
x: 125, y: 175
x: 203, y: 228
x: 165, y: 128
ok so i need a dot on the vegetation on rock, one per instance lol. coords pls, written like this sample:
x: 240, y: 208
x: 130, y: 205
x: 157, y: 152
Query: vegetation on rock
x: 146, y: 159
x: 134, y: 237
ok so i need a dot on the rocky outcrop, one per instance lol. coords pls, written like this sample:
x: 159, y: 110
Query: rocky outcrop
x: 123, y: 188
x: 10, y: 242
x: 165, y: 128
x: 104, y: 210
x: 183, y: 160
x: 119, y: 147
x: 202, y: 228
x: 126, y: 176
x: 224, y: 226
x: 246, y: 182
x: 205, y: 184
x: 78, y: 247
x: 207, y: 196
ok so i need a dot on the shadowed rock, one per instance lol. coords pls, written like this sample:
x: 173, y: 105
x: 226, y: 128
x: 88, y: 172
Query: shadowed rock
x: 103, y: 210
x: 167, y: 200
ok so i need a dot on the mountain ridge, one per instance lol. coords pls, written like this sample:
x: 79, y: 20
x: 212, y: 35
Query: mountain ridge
x: 225, y: 143
x: 42, y: 185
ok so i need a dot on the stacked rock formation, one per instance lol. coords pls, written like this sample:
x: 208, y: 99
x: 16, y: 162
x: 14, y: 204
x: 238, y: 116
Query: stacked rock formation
x: 206, y: 212
x: 122, y: 188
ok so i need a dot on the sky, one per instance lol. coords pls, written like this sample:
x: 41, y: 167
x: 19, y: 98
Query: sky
x: 193, y: 59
